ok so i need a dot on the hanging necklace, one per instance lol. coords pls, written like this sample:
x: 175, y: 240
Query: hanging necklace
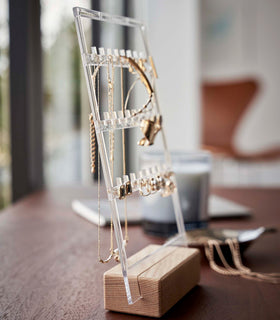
x: 93, y: 167
x: 110, y: 80
x: 124, y: 158
x: 110, y: 94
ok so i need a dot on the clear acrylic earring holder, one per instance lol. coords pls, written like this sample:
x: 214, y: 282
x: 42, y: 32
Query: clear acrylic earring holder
x: 117, y: 120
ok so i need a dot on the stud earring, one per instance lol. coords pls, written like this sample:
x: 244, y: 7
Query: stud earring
x: 144, y: 189
x: 128, y: 188
x: 122, y: 192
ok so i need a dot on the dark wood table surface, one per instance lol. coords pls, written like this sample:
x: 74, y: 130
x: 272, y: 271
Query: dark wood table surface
x: 49, y: 268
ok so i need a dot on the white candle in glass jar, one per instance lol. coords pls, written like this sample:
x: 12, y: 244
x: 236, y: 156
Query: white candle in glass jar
x: 192, y: 171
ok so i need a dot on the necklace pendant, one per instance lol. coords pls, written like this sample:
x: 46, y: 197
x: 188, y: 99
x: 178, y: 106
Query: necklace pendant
x: 150, y: 128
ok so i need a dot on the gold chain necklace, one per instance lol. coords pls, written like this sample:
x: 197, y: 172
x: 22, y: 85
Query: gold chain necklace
x: 93, y: 165
x: 124, y: 158
x: 240, y: 269
x: 110, y: 78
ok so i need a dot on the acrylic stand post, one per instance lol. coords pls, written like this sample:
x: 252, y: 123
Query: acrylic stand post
x: 181, y: 264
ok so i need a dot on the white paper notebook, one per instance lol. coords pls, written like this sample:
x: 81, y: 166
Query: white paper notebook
x: 88, y: 209
x: 218, y: 208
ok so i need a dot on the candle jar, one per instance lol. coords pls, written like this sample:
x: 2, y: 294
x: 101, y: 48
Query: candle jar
x: 192, y: 171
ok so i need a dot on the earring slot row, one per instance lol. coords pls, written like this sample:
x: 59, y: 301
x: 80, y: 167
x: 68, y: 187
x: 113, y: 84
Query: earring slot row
x: 117, y: 58
x: 148, y: 181
x: 116, y: 120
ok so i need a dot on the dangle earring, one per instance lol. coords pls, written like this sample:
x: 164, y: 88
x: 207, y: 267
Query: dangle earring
x: 150, y: 128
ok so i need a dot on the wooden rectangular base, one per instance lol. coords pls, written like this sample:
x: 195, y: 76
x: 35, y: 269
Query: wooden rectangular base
x: 161, y: 281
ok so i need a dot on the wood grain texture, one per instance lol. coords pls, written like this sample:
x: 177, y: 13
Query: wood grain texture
x: 49, y: 268
x: 161, y: 280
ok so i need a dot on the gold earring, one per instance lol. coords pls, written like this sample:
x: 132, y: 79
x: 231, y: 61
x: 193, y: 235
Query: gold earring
x: 160, y: 182
x: 125, y: 190
x: 144, y: 184
x: 141, y: 63
x: 168, y: 174
x: 168, y: 189
x: 153, y: 185
x: 128, y: 188
x: 150, y: 128
x: 122, y: 192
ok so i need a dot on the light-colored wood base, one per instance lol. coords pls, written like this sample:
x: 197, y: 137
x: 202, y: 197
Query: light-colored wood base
x: 161, y: 280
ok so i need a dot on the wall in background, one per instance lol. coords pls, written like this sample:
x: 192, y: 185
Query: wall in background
x: 240, y: 38
x: 173, y: 31
x: 65, y: 100
x: 173, y: 34
x: 216, y: 40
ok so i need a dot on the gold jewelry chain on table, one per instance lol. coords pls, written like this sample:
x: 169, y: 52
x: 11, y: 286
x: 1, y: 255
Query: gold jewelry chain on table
x: 239, y: 269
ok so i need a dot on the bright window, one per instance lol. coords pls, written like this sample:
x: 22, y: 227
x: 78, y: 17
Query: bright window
x: 64, y: 94
x: 5, y: 158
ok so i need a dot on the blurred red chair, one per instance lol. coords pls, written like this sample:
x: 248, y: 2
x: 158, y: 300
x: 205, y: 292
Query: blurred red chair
x: 223, y: 105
